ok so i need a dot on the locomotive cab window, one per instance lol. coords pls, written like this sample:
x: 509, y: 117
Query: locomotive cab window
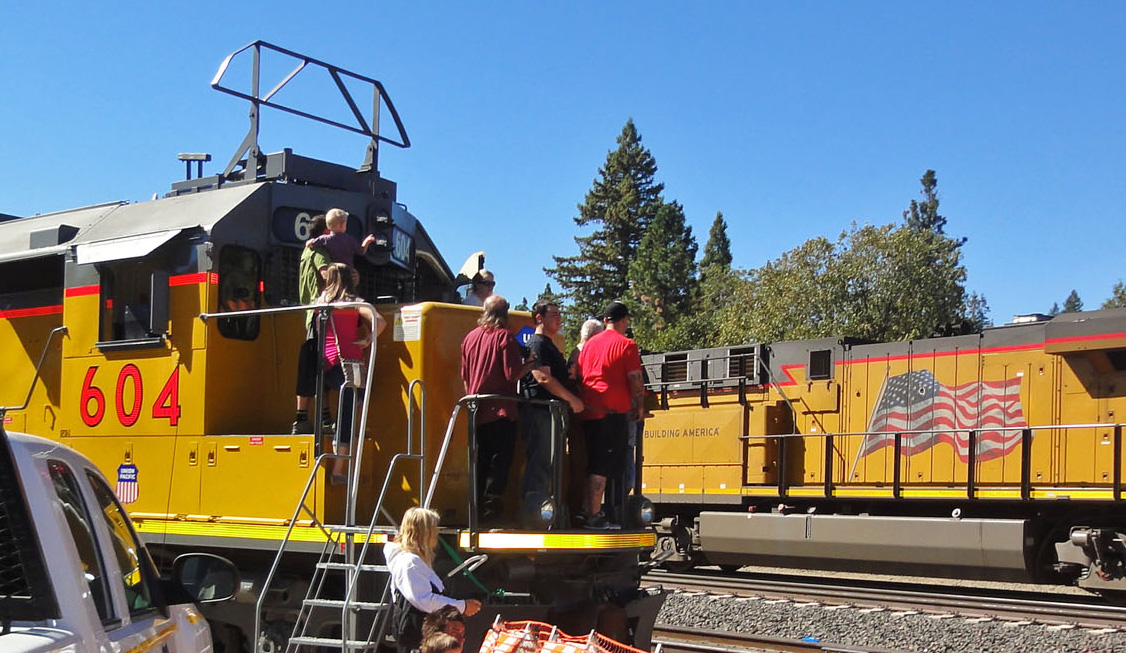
x: 133, y: 304
x: 240, y: 289
x: 820, y: 365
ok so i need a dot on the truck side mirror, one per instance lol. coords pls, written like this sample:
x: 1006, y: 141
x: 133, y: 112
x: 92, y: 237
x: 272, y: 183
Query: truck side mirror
x: 205, y: 578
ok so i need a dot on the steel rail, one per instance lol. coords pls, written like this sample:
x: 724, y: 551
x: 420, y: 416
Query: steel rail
x: 1017, y: 605
x: 678, y: 639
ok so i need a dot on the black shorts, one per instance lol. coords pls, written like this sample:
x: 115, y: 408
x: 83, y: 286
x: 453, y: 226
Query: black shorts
x: 606, y: 444
x: 307, y: 361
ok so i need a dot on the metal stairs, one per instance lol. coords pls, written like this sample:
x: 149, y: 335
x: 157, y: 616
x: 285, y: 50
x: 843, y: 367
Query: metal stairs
x: 348, y: 566
x: 334, y: 585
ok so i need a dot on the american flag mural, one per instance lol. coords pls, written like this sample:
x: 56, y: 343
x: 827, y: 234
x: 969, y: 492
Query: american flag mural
x: 916, y: 401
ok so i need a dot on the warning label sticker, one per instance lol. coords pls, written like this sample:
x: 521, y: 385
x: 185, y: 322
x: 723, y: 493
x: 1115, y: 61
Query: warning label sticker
x: 408, y: 324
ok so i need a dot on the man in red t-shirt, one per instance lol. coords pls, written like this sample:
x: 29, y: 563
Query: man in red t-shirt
x: 491, y: 364
x: 612, y: 388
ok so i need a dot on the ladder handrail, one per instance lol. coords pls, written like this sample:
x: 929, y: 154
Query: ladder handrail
x: 285, y: 540
x: 38, y: 366
x: 358, y: 560
x: 353, y: 476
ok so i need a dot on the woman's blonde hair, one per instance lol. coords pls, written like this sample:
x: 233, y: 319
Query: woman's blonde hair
x: 340, y: 285
x: 418, y: 528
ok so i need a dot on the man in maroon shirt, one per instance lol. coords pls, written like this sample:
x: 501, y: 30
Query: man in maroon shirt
x: 491, y: 363
x: 612, y: 389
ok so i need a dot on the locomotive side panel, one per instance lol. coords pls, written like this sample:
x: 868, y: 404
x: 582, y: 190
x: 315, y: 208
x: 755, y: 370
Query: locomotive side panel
x: 31, y: 306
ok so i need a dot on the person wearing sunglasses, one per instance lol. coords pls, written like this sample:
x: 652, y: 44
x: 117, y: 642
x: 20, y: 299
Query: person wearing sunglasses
x: 480, y: 288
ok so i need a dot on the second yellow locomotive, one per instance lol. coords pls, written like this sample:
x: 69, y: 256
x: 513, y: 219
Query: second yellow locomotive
x: 994, y: 455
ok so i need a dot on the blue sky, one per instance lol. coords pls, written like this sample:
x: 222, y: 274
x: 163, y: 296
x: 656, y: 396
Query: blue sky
x: 795, y: 119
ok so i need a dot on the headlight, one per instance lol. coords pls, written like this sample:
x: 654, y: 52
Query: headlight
x: 640, y: 512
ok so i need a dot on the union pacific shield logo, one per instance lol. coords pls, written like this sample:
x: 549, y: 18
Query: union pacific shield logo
x: 126, y: 488
x: 917, y: 401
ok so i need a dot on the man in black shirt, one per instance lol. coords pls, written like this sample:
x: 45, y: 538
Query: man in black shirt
x: 544, y: 382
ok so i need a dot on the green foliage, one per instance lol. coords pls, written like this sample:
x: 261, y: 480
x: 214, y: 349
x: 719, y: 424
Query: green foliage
x: 875, y: 282
x: 550, y: 295
x: 717, y: 251
x: 662, y: 277
x: 923, y: 216
x: 619, y: 206
x: 522, y: 306
x: 1072, y: 304
x: 1054, y: 310
x: 1117, y: 297
x: 976, y: 314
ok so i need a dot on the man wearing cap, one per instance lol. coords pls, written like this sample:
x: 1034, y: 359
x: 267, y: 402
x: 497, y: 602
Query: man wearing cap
x: 480, y: 289
x: 612, y: 388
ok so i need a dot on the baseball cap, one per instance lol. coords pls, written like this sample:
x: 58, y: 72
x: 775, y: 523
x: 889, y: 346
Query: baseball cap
x: 615, y: 311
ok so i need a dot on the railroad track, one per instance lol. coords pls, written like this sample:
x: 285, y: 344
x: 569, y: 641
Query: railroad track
x: 1016, y: 605
x: 674, y: 639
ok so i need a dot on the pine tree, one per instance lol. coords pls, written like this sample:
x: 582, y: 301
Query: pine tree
x: 1117, y: 297
x: 1054, y: 310
x: 663, y: 275
x: 621, y: 203
x: 522, y: 306
x: 976, y: 314
x: 717, y: 251
x: 924, y: 216
x: 550, y: 295
x: 1072, y: 304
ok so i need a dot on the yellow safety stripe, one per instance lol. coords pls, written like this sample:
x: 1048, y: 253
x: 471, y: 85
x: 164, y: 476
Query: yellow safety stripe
x: 243, y: 531
x: 560, y: 541
x: 1083, y: 494
x: 156, y: 640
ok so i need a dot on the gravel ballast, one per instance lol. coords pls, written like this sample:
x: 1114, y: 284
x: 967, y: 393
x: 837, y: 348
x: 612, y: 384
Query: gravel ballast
x: 880, y: 628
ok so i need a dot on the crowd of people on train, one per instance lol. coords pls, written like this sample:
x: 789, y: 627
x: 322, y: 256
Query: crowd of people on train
x: 593, y: 400
x: 599, y: 387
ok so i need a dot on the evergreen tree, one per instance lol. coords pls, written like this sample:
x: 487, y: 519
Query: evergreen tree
x: 1072, y: 304
x: 522, y: 306
x: 621, y: 203
x: 1054, y: 310
x: 550, y: 295
x: 977, y: 314
x: 717, y: 251
x: 923, y: 216
x: 663, y: 275
x: 1117, y: 297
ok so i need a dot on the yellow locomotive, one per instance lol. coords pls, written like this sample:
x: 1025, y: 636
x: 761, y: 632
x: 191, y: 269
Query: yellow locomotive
x: 997, y: 455
x: 105, y: 350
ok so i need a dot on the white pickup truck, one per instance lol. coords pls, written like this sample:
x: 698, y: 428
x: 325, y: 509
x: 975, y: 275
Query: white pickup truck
x: 73, y: 575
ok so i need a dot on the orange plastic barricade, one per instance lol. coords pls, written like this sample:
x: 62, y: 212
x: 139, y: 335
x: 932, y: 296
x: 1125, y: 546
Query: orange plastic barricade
x: 538, y: 637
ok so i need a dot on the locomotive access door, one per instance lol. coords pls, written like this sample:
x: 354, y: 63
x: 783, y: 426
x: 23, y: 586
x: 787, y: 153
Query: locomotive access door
x: 766, y: 455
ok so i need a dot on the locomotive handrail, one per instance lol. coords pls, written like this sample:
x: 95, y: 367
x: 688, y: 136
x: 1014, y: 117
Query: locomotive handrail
x: 285, y: 540
x: 470, y: 403
x: 760, y: 364
x: 361, y: 126
x: 353, y: 476
x: 1040, y: 427
x: 971, y: 456
x: 38, y: 367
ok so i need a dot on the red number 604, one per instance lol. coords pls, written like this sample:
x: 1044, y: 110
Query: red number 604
x: 93, y: 400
